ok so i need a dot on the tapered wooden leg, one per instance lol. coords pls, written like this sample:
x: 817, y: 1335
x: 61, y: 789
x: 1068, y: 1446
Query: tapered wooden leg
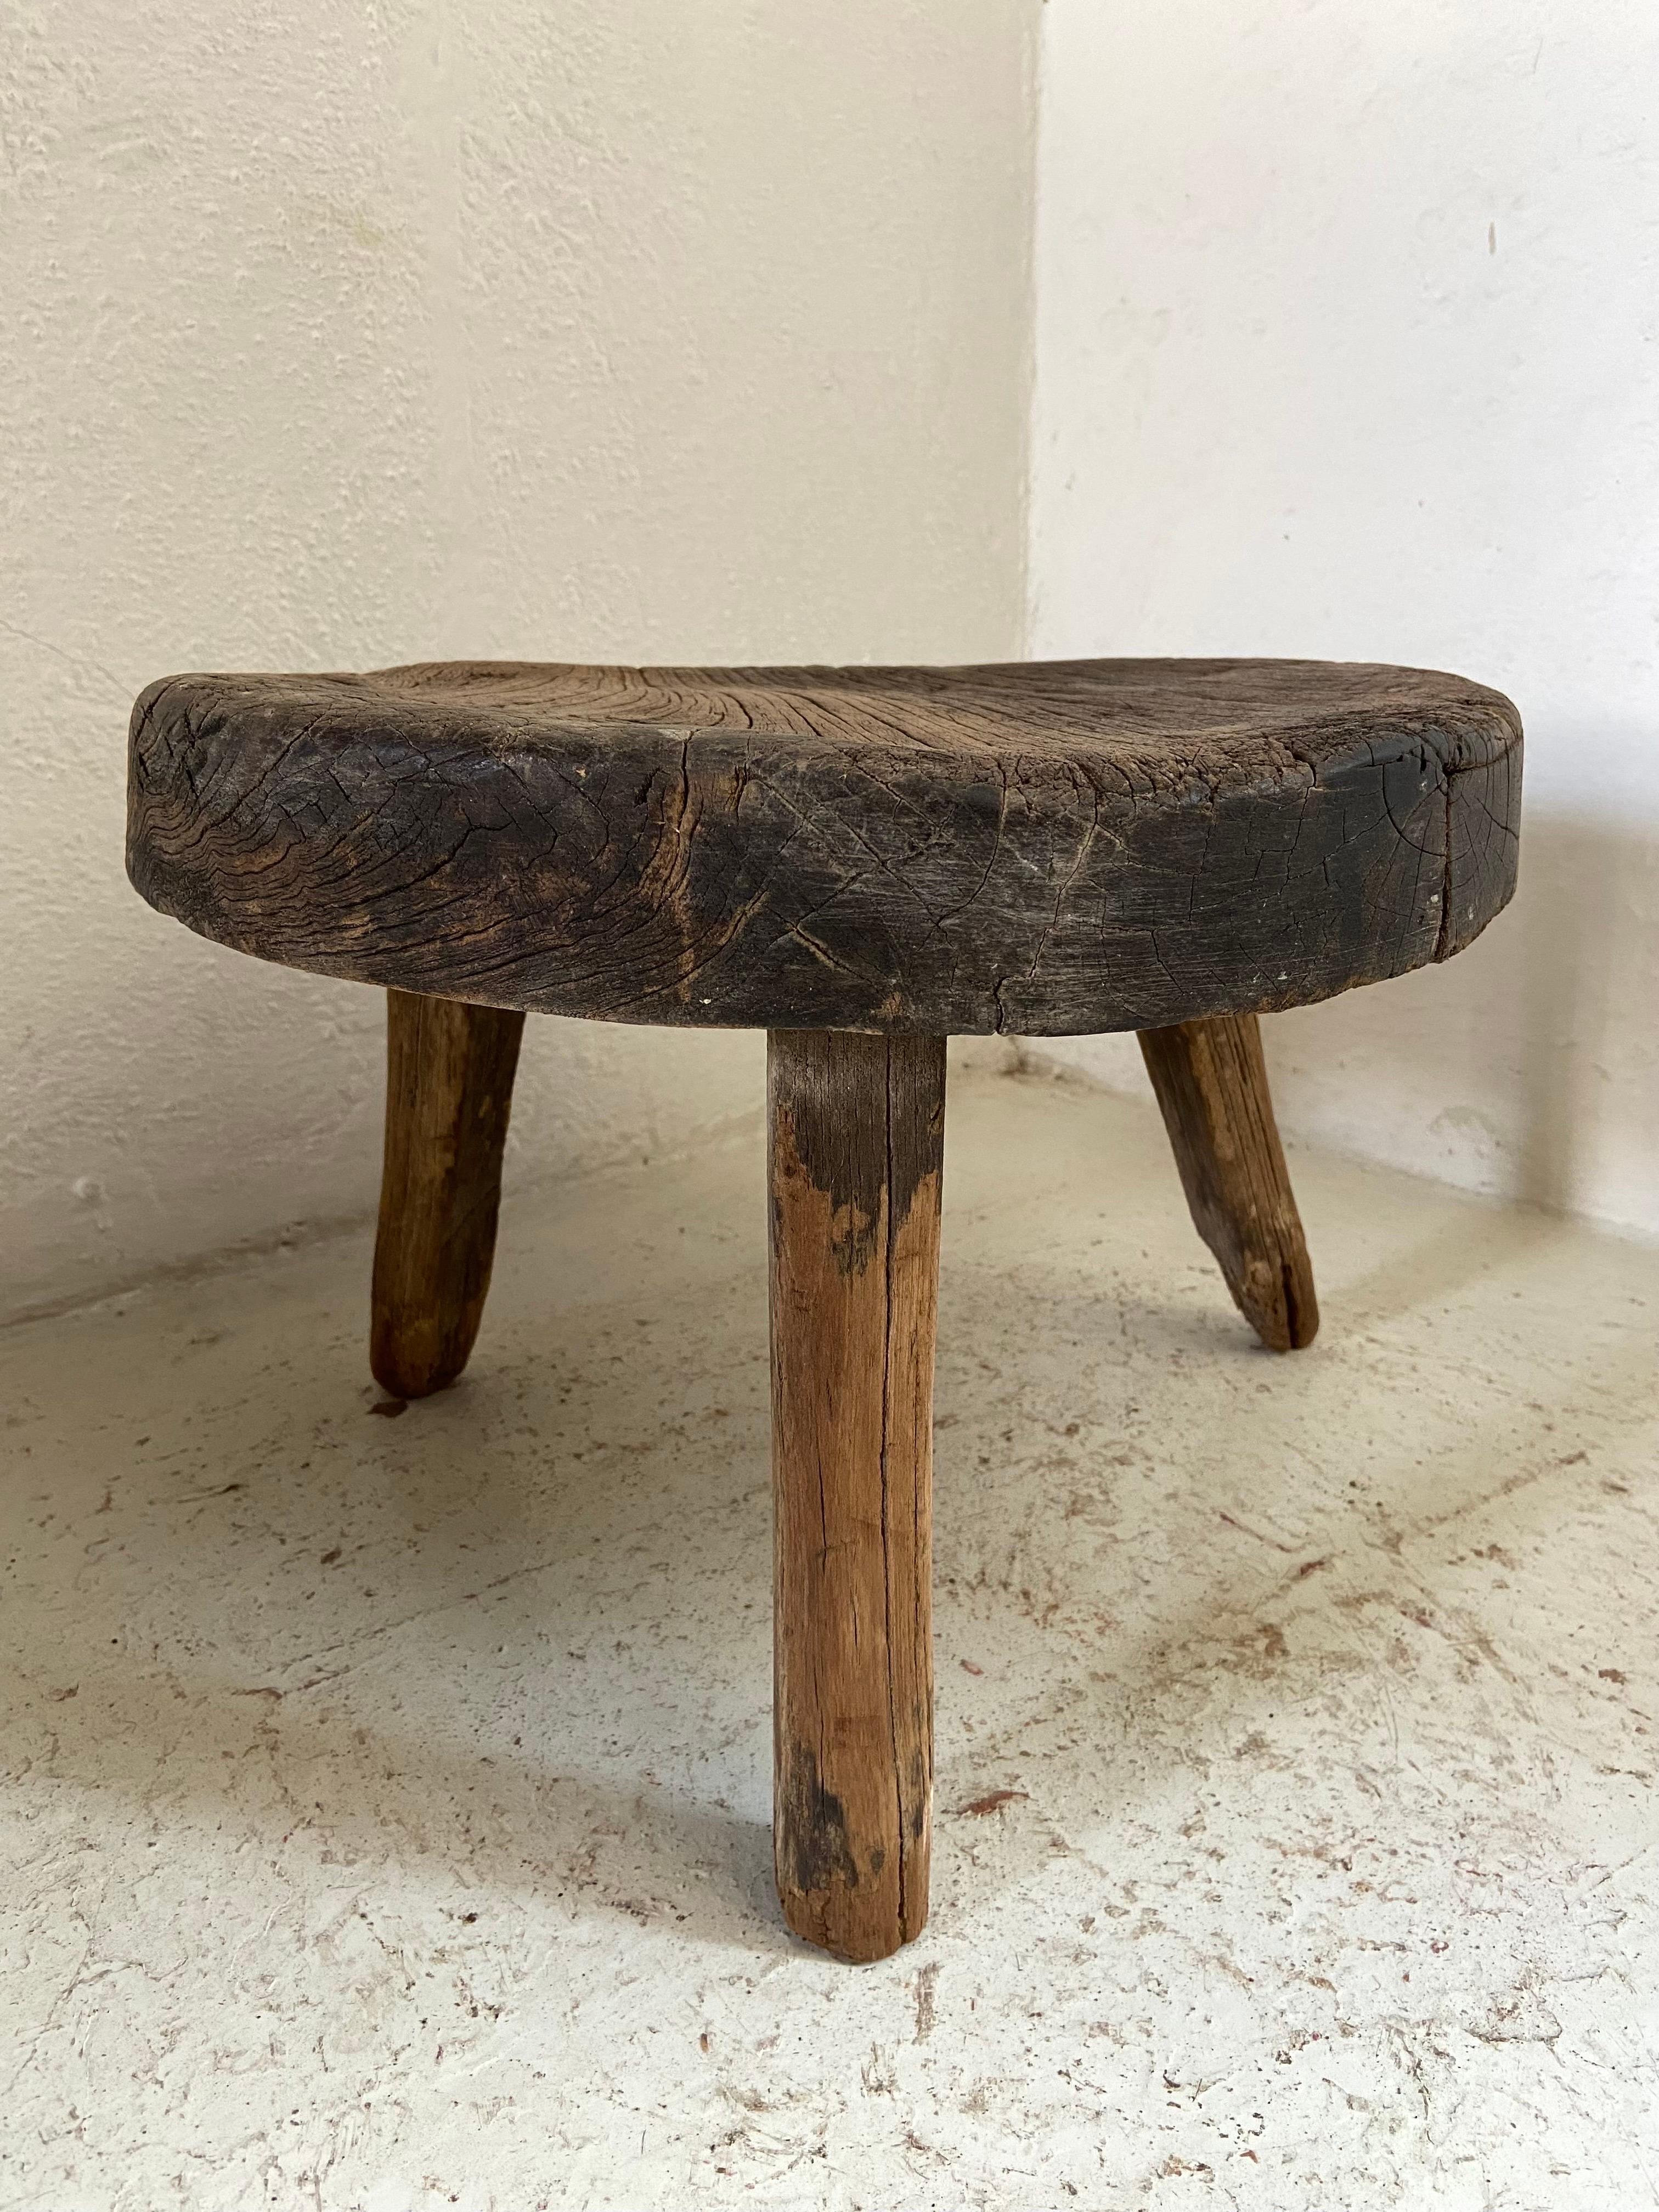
x: 1212, y: 1084
x: 449, y: 1087
x: 856, y: 1142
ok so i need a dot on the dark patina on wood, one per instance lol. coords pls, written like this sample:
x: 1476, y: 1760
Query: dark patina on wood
x: 855, y: 1159
x: 1038, y: 847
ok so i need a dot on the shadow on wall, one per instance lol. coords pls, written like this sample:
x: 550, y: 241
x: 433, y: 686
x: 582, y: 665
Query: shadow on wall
x: 1527, y: 1068
x: 1589, y: 1033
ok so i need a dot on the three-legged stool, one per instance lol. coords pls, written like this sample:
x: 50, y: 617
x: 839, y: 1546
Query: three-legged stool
x: 862, y: 861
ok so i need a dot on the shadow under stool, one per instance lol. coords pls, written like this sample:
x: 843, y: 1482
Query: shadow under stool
x: 862, y: 861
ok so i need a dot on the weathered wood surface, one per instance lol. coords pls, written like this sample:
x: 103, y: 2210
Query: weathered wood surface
x: 449, y: 1089
x: 857, y: 1126
x: 1038, y: 847
x: 1212, y: 1084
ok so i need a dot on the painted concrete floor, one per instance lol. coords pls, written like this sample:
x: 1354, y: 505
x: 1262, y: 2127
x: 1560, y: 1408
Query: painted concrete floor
x: 385, y: 1820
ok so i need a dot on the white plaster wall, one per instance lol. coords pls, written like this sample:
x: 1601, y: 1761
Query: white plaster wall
x: 1346, y: 319
x: 339, y: 337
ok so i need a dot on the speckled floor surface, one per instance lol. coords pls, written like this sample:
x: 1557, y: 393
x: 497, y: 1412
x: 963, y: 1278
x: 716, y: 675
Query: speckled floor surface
x: 384, y: 1814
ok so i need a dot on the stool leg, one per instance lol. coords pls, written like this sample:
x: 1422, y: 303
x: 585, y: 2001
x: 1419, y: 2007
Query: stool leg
x: 1212, y: 1084
x: 856, y: 1129
x: 449, y: 1087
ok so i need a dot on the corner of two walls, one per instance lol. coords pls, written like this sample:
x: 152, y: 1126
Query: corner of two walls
x: 582, y: 336
x: 1344, y: 351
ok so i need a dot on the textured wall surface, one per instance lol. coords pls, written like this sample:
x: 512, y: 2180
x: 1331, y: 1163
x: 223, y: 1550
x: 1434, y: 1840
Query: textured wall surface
x: 1345, y: 347
x: 337, y: 339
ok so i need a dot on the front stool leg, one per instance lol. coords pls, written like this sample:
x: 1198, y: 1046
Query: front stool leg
x: 856, y: 1132
x: 449, y: 1088
x: 1212, y: 1084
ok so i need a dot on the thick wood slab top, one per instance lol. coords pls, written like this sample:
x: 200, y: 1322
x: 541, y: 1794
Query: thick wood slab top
x: 1035, y: 848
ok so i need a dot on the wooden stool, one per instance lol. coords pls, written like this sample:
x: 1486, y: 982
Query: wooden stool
x: 861, y: 861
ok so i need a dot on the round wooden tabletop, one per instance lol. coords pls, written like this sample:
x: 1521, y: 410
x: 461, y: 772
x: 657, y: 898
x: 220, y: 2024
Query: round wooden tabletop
x: 1035, y: 848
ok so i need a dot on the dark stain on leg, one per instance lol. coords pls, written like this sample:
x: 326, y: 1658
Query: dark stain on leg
x: 857, y: 1167
x: 813, y: 1850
